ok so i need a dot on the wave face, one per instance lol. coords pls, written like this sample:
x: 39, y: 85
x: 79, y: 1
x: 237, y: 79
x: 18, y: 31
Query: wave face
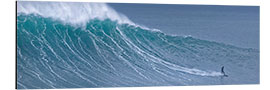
x: 108, y: 53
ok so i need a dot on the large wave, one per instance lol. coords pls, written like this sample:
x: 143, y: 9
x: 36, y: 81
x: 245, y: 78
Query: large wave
x: 81, y: 45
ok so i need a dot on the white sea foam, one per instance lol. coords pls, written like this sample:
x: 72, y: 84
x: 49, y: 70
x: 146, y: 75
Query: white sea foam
x: 75, y: 13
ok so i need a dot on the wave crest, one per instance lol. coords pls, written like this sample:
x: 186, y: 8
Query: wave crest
x: 75, y: 13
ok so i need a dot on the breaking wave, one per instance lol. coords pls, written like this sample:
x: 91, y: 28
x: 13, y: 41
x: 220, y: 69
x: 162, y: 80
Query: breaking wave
x: 81, y: 45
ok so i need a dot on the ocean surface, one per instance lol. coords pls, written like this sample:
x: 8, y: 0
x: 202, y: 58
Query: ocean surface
x: 92, y: 45
x: 234, y: 25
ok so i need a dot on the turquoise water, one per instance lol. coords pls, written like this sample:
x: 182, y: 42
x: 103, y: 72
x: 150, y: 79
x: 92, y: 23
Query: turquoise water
x: 106, y: 53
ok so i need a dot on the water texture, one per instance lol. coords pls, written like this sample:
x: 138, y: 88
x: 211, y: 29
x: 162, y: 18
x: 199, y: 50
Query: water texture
x: 57, y: 48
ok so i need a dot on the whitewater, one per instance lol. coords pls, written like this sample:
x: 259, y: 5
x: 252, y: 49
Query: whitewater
x: 89, y: 45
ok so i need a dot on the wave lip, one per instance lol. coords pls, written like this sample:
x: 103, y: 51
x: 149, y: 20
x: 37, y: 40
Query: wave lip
x: 75, y: 13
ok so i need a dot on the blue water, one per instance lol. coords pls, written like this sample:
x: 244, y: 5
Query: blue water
x: 235, y: 25
x: 99, y: 47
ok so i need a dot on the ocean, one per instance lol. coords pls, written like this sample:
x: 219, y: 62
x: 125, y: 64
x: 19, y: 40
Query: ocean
x: 234, y: 25
x: 92, y: 45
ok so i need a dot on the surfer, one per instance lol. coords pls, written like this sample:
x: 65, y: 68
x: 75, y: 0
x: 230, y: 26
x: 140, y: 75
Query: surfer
x: 222, y: 71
